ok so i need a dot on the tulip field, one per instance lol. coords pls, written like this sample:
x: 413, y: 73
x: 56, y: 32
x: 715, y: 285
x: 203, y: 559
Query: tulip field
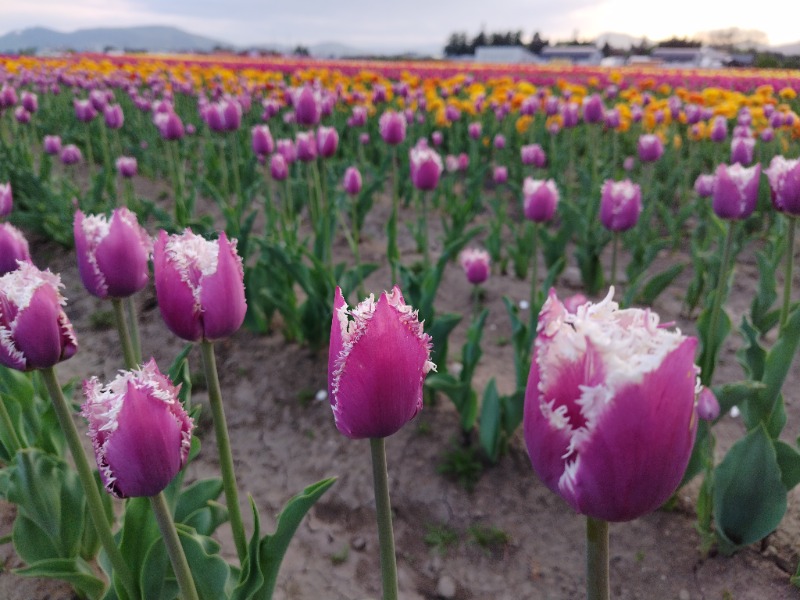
x: 559, y: 302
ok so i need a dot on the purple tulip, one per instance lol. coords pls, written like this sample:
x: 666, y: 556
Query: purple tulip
x: 570, y: 113
x: 392, y: 127
x: 127, y: 166
x: 98, y: 99
x: 437, y: 138
x: 532, y: 154
x: 612, y: 118
x: 377, y: 362
x: 84, y: 111
x: 278, y: 168
x: 719, y: 129
x: 35, y: 333
x: 13, y: 247
x: 475, y: 263
x: 30, y: 102
x: 261, y: 140
x: 742, y: 149
x: 620, y: 204
x: 306, y: 146
x: 650, y: 148
x: 139, y: 429
x: 352, y: 181
x: 287, y: 149
x: 451, y: 163
x: 463, y: 162
x: 593, y: 109
x: 113, y: 254
x: 609, y: 417
x: 704, y: 185
x: 6, y: 199
x: 767, y: 134
x: 363, y: 138
x: 327, y: 141
x: 629, y: 163
x: 169, y: 125
x: 500, y: 175
x: 8, y: 97
x: 499, y: 141
x: 784, y: 183
x: 71, y: 154
x: 113, y: 116
x: 359, y: 117
x: 52, y: 144
x: 426, y: 167
x: 474, y: 130
x: 452, y: 113
x: 22, y: 116
x: 199, y: 285
x: 707, y: 405
x: 735, y: 190
x: 307, y: 106
x: 539, y: 199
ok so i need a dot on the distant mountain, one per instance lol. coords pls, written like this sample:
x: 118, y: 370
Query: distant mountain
x: 788, y: 49
x: 153, y: 38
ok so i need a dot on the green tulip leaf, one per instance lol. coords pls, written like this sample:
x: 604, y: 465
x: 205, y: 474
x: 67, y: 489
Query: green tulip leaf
x: 75, y: 571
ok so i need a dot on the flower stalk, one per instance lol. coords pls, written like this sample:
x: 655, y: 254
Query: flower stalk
x: 174, y: 549
x: 380, y: 478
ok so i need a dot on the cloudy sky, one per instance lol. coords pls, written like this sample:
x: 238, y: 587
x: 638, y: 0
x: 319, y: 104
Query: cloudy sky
x: 410, y: 23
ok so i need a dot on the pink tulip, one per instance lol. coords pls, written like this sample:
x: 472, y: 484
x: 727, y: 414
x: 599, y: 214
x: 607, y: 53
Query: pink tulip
x: 610, y: 411
x: 52, y: 144
x: 140, y: 432
x: 199, y: 285
x: 71, y: 154
x: 620, y: 204
x: 35, y: 333
x: 13, y: 247
x: 261, y: 140
x: 539, y: 199
x: 327, y: 141
x: 278, y: 167
x: 113, y: 254
x: 475, y: 263
x: 378, y: 359
x: 127, y: 166
x: 650, y: 148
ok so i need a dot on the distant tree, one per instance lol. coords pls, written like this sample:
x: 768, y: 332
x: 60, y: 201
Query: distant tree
x: 644, y: 48
x: 734, y: 38
x: 301, y: 51
x: 457, y: 45
x: 478, y: 41
x: 675, y: 42
x: 607, y: 50
x: 537, y: 44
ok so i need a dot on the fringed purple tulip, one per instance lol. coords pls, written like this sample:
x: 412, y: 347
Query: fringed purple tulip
x: 278, y: 167
x: 261, y: 139
x: 437, y: 138
x: 650, y: 148
x: 499, y: 141
x: 475, y: 263
x: 127, y: 166
x: 287, y: 149
x: 35, y: 333
x: 327, y: 141
x: 84, y: 110
x: 199, y: 285
x: 22, y: 116
x: 6, y: 199
x: 71, y: 155
x: 8, y: 97
x: 593, y: 109
x: 392, y: 126
x: 113, y: 254
x: 140, y: 432
x: 13, y: 248
x: 742, y: 149
x: 610, y: 411
x: 784, y: 183
x: 352, y: 181
x: 426, y: 167
x: 735, y: 191
x: 52, y: 144
x: 379, y: 356
x: 719, y: 129
x: 620, y: 204
x: 474, y: 130
x: 169, y: 125
x: 539, y: 199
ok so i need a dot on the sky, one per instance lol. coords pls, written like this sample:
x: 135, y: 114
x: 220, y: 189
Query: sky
x: 410, y: 23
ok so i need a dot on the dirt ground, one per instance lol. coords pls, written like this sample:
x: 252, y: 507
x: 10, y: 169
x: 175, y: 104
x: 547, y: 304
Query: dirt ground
x: 510, y: 538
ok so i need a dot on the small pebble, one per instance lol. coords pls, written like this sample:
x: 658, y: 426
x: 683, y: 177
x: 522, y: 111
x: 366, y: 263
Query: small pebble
x: 684, y: 595
x: 321, y: 396
x: 446, y: 588
x: 358, y: 543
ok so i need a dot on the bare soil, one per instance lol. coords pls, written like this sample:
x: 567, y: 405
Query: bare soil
x: 511, y: 537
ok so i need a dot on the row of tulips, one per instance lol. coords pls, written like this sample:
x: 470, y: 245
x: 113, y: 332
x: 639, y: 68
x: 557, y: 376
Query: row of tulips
x: 611, y: 180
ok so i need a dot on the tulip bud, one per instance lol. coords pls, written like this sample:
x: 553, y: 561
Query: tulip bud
x: 735, y: 190
x: 113, y: 254
x: 306, y: 146
x: 609, y: 417
x: 620, y: 204
x: 352, y: 181
x: 6, y: 199
x: 84, y: 110
x: 474, y: 130
x: 113, y: 116
x: 784, y: 183
x: 539, y: 199
x: 327, y: 141
x: 650, y: 148
x: 13, y: 247
x: 704, y: 185
x: 278, y: 167
x: 719, y: 129
x: 392, y: 127
x: 499, y: 141
x: 437, y: 138
x: 287, y: 149
x: 71, y: 154
x: 475, y: 263
x: 52, y: 144
x: 532, y: 154
x: 378, y: 359
x: 127, y: 166
x: 262, y: 140
x: 742, y: 150
x: 22, y: 116
x: 707, y: 405
x: 35, y: 333
x: 593, y: 109
x: 500, y: 175
x: 307, y: 106
x: 30, y: 101
x: 199, y: 285
x: 426, y: 167
x: 169, y: 125
x: 140, y: 432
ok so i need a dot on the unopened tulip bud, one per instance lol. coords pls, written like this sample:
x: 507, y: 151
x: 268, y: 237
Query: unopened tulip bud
x: 352, y: 181
x: 475, y: 263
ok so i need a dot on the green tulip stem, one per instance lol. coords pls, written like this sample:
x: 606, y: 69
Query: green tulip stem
x: 787, y: 283
x: 383, y: 508
x: 124, y: 335
x: 393, y: 251
x: 174, y: 549
x: 534, y: 300
x: 710, y: 352
x: 13, y: 439
x: 224, y: 449
x: 614, y: 251
x: 93, y: 500
x: 597, y: 581
x: 133, y: 327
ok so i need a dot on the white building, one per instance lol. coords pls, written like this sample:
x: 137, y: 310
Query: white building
x: 505, y: 55
x: 573, y: 54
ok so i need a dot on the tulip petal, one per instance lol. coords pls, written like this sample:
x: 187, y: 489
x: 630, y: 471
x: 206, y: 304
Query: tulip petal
x: 176, y: 301
x: 222, y: 294
x: 38, y: 332
x: 336, y: 344
x: 122, y: 257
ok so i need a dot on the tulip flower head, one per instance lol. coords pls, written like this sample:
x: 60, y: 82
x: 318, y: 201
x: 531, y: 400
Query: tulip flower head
x: 113, y: 253
x: 426, y: 167
x: 6, y: 199
x: 532, y: 154
x: 500, y: 175
x: 127, y: 166
x: 278, y: 168
x: 52, y: 144
x: 352, y: 181
x: 70, y: 154
x: 707, y: 405
x: 140, y: 432
x: 742, y: 149
x: 735, y: 190
x: 650, y: 147
x: 610, y: 408
x: 306, y: 146
x: 475, y: 263
x: 784, y: 183
x: 327, y: 141
x: 392, y: 126
x: 620, y: 204
x: 307, y: 106
x: 704, y: 185
x: 199, y: 285
x: 35, y: 333
x: 539, y: 199
x: 379, y: 356
x: 13, y: 248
